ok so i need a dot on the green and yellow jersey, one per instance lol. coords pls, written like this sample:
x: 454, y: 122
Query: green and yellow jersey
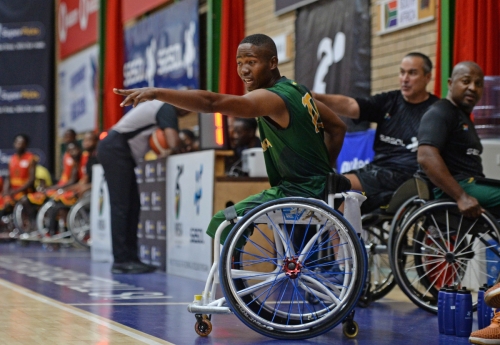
x: 296, y: 157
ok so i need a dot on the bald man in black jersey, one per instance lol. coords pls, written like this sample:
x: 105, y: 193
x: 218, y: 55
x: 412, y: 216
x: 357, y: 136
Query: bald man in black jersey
x: 449, y: 147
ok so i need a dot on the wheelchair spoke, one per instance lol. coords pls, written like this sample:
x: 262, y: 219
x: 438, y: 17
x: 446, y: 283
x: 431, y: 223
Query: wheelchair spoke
x: 298, y: 272
x: 467, y: 233
x: 462, y: 252
x: 433, y: 249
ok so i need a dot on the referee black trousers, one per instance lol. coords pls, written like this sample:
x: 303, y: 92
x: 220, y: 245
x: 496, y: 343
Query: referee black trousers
x: 115, y: 156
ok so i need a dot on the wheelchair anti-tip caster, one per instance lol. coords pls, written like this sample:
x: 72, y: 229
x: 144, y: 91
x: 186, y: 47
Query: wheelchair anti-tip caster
x: 203, y: 326
x: 350, y: 329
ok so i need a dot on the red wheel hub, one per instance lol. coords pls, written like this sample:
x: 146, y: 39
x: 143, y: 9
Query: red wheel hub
x: 292, y: 267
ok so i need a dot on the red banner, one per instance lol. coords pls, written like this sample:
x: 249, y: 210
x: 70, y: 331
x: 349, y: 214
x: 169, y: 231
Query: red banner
x: 134, y: 8
x: 77, y: 22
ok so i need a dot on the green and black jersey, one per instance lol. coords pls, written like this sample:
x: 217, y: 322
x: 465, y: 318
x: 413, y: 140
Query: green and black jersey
x: 296, y: 157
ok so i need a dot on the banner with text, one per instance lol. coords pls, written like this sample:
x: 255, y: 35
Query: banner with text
x: 162, y: 50
x: 334, y: 57
x: 77, y: 91
x: 190, y: 189
x: 77, y: 25
x: 26, y: 79
x: 100, y: 217
x: 152, y: 228
x: 357, y: 151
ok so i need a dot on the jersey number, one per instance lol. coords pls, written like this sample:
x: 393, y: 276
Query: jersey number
x: 307, y: 102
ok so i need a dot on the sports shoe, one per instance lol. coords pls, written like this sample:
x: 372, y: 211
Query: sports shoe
x: 133, y: 267
x: 492, y: 296
x: 489, y: 335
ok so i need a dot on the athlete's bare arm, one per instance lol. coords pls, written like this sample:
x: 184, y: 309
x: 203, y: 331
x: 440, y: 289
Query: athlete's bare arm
x: 256, y: 103
x: 335, y: 130
x: 435, y: 168
x: 341, y: 105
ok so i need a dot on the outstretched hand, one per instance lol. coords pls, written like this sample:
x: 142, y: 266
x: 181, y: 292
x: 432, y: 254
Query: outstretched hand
x: 136, y: 96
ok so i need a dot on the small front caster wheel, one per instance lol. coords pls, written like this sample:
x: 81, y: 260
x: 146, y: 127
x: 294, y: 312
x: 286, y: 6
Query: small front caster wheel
x: 203, y: 327
x: 350, y: 329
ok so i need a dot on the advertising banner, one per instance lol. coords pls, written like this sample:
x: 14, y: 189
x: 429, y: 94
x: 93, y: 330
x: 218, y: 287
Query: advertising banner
x: 77, y: 25
x: 26, y: 79
x: 162, y: 50
x: 357, y: 151
x: 152, y: 228
x: 334, y: 57
x: 77, y: 101
x: 100, y: 217
x: 190, y: 189
x: 399, y: 14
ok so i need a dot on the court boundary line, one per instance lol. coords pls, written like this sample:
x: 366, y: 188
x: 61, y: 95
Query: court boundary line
x: 139, y: 303
x: 115, y: 326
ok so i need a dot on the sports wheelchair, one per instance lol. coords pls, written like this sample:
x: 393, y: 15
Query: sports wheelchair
x: 24, y: 219
x: 436, y: 245
x: 281, y: 288
x: 78, y: 221
x: 379, y: 229
x: 70, y: 218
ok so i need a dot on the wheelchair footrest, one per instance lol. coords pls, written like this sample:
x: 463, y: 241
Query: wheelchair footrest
x: 207, y: 309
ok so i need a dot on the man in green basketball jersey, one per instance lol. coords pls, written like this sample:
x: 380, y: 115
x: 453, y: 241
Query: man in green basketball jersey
x: 297, y: 152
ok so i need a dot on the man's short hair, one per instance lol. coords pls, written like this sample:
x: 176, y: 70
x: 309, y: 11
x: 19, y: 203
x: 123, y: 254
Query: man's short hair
x: 425, y: 58
x: 468, y: 64
x: 24, y: 136
x: 248, y: 122
x: 71, y: 132
x: 261, y: 40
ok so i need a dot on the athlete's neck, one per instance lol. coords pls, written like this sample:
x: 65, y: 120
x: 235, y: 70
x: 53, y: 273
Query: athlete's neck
x: 419, y: 98
x: 274, y: 79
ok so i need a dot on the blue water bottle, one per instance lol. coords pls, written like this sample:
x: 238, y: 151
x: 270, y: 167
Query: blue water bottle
x: 463, y: 313
x: 441, y: 296
x: 481, y: 306
x: 484, y: 312
x: 449, y: 311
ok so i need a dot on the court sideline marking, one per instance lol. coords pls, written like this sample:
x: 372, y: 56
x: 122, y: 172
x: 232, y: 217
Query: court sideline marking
x: 146, y: 339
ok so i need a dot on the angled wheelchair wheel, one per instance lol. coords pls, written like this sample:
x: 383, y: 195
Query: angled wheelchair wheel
x: 400, y: 217
x: 43, y: 217
x: 380, y: 276
x: 288, y: 289
x: 79, y: 221
x: 438, y: 246
x: 24, y: 216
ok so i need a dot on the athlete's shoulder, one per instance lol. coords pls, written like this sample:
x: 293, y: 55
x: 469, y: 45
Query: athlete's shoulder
x: 443, y: 104
x: 287, y: 85
x: 442, y: 109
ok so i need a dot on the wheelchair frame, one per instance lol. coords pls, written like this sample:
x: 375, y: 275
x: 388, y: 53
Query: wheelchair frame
x: 288, y: 325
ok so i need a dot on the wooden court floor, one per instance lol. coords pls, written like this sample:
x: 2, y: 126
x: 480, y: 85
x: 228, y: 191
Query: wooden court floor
x: 59, y: 296
x: 30, y: 318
